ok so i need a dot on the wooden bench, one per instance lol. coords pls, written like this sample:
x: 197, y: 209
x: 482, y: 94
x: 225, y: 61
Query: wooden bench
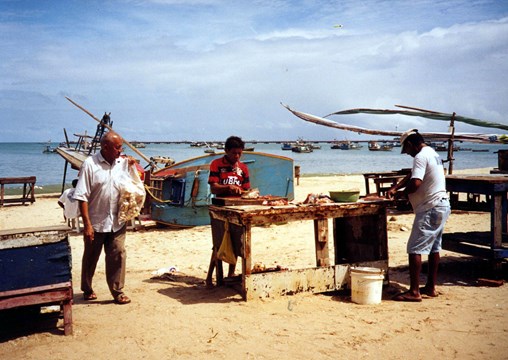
x: 28, y: 190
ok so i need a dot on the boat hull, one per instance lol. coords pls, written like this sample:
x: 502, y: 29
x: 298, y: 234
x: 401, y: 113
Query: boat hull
x: 180, y: 193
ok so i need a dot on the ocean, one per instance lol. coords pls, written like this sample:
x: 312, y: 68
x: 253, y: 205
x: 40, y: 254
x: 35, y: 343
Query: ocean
x: 28, y: 159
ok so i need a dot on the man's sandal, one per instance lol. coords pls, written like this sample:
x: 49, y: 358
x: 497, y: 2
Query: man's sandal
x: 122, y: 299
x: 89, y: 296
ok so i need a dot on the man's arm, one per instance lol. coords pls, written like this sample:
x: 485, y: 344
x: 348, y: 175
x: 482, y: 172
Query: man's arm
x: 400, y: 185
x: 413, y: 185
x: 219, y: 189
x: 88, y: 232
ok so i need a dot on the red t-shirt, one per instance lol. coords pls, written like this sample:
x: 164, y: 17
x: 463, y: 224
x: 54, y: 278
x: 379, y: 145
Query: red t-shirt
x: 223, y: 173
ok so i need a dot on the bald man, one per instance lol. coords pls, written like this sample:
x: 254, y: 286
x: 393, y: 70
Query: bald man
x: 98, y: 196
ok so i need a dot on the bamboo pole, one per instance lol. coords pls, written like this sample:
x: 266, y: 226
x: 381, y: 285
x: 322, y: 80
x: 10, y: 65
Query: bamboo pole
x: 111, y: 129
x: 450, y: 145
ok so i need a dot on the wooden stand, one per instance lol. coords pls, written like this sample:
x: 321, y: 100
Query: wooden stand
x: 325, y: 276
x: 35, y: 265
x: 28, y: 189
x: 492, y: 245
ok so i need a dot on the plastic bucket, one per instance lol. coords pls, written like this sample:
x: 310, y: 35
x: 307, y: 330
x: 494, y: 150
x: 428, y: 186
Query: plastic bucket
x: 366, y: 285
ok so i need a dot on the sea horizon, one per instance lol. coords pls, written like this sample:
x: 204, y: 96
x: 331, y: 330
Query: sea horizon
x: 20, y: 159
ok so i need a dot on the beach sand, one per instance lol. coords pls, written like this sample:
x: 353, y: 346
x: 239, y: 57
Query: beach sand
x: 177, y: 317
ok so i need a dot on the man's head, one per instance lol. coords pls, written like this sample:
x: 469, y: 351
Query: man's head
x: 111, y: 146
x: 234, y: 147
x: 411, y: 142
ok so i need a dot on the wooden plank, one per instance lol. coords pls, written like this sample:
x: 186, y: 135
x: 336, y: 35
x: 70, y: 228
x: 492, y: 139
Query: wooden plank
x: 18, y: 180
x: 35, y: 289
x: 25, y: 237
x: 273, y: 284
x: 313, y: 280
x: 45, y: 297
x: 259, y: 215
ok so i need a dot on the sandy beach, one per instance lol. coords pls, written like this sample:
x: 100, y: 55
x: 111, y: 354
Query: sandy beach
x: 177, y: 317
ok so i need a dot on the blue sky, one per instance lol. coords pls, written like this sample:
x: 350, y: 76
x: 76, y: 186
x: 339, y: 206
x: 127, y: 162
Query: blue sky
x: 206, y: 69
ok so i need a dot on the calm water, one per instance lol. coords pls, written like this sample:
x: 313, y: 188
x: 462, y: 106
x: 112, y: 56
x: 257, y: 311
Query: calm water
x: 27, y: 159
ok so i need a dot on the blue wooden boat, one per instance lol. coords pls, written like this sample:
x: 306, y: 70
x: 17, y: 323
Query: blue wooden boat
x: 180, y: 193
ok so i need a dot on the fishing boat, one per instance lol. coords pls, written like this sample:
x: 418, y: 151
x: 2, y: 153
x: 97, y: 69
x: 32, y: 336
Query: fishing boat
x: 180, y: 194
x: 138, y: 145
x: 48, y: 149
x: 375, y: 146
x: 347, y: 145
x: 286, y: 146
x: 301, y: 149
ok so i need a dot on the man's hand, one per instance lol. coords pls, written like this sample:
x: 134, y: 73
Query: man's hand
x: 131, y: 161
x: 235, y: 190
x: 391, y: 194
x: 88, y: 233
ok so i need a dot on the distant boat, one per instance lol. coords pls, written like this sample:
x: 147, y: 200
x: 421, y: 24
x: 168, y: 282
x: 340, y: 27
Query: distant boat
x: 180, y: 194
x: 48, y: 149
x: 347, y: 145
x: 301, y: 149
x: 375, y: 146
x: 138, y: 145
x: 286, y: 146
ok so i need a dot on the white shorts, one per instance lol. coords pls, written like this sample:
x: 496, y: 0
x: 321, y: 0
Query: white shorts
x: 427, y: 232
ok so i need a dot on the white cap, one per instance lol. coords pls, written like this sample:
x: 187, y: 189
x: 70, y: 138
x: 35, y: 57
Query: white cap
x: 404, y: 136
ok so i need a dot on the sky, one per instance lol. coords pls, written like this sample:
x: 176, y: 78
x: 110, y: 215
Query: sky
x: 173, y: 70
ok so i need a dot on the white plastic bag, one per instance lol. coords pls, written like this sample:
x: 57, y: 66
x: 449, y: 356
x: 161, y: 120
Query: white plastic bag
x: 132, y: 196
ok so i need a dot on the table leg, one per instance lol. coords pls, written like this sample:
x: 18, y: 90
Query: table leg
x: 497, y: 222
x: 321, y: 241
x: 67, y: 313
x: 246, y: 259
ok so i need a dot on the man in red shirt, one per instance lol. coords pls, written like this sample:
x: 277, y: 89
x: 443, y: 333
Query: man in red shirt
x: 228, y: 177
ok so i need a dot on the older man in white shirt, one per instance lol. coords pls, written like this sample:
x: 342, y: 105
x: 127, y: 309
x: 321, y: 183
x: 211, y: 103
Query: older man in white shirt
x: 98, y: 194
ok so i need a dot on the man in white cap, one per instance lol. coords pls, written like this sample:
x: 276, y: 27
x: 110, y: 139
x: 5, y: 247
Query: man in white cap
x: 426, y: 189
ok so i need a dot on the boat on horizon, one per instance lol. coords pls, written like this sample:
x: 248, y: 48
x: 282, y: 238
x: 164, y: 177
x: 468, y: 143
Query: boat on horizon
x: 375, y: 146
x: 48, y: 149
x: 347, y: 145
x: 302, y: 149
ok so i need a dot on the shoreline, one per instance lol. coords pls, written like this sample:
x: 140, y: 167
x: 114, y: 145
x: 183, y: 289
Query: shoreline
x: 56, y: 188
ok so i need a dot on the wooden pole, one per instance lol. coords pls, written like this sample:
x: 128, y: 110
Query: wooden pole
x: 450, y: 145
x: 109, y: 128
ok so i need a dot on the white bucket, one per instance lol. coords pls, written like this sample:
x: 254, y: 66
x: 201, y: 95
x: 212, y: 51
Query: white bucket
x: 366, y: 285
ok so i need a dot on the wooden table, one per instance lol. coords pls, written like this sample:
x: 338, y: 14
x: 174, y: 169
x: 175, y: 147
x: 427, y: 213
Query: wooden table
x: 494, y: 243
x: 35, y: 269
x: 380, y: 178
x: 28, y: 189
x: 360, y: 237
